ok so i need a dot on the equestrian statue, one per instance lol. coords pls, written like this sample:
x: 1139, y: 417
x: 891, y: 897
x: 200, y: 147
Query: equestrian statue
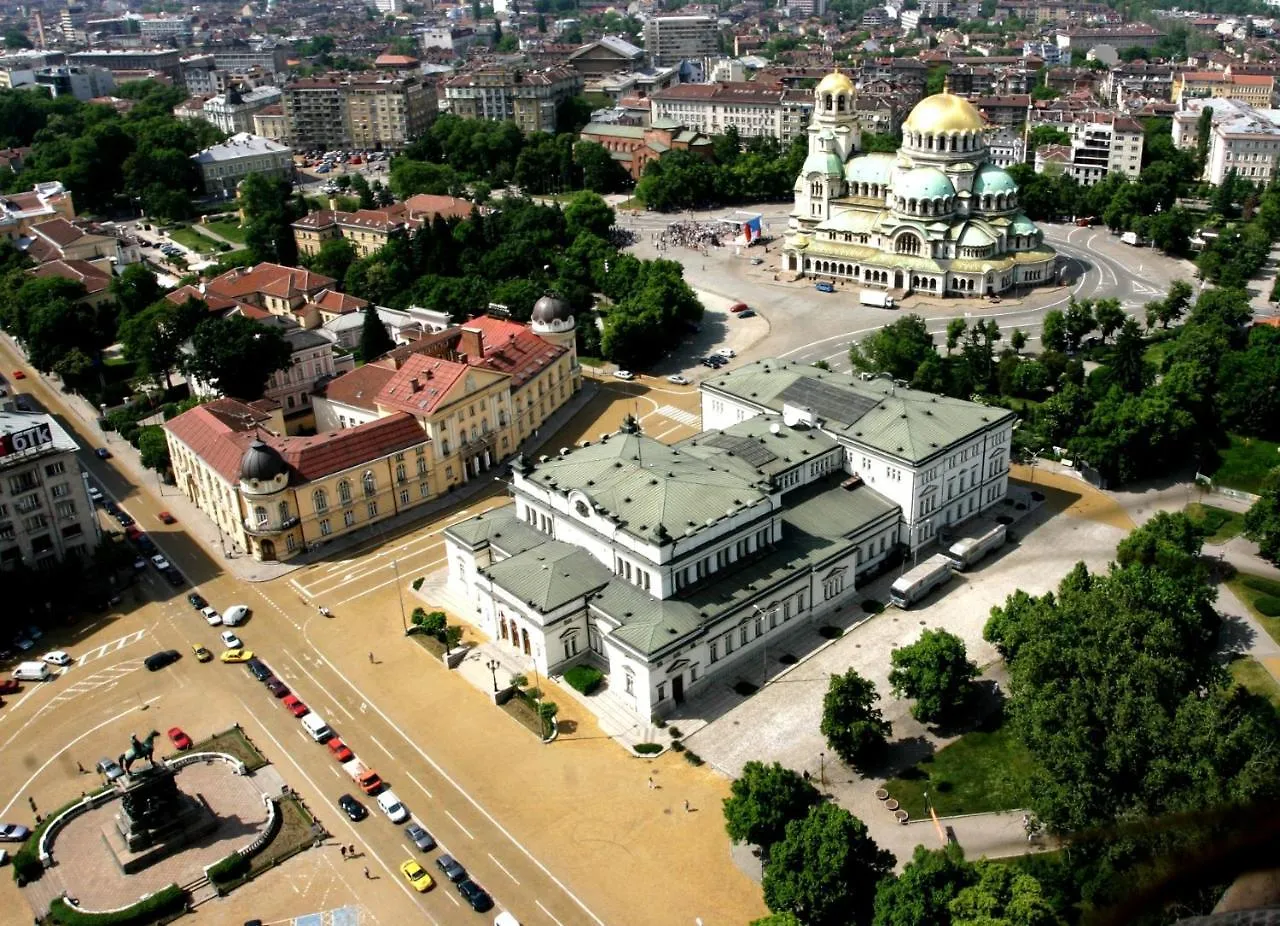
x: 139, y: 750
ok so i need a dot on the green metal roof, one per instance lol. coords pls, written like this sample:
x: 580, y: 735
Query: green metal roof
x: 923, y: 183
x: 876, y: 167
x: 903, y: 423
x: 643, y: 485
x: 616, y: 131
x: 975, y: 236
x: 1023, y: 226
x: 824, y: 509
x: 820, y: 162
x: 549, y: 575
x: 500, y: 527
x: 752, y: 449
x: 992, y: 179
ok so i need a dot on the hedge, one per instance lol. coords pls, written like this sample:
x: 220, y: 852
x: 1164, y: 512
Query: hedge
x: 647, y: 749
x: 230, y: 868
x: 1268, y: 605
x: 163, y: 902
x: 1261, y: 584
x: 584, y: 679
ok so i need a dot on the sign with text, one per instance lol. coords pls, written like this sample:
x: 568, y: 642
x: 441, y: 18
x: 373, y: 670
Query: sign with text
x: 27, y: 439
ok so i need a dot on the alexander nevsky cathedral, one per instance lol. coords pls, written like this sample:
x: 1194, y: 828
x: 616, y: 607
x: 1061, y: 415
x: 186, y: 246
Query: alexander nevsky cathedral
x: 934, y: 219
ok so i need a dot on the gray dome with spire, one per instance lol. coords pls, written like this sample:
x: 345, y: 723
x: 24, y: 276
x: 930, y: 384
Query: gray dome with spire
x: 551, y: 309
x: 261, y: 462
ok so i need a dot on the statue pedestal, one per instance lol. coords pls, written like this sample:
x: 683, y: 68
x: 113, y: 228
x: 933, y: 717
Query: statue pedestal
x: 156, y: 819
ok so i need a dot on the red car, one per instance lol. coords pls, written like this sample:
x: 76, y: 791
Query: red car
x: 18, y: 374
x: 9, y: 686
x: 167, y: 518
x: 133, y: 532
x: 295, y: 706
x: 738, y: 307
x: 179, y: 739
x: 340, y: 750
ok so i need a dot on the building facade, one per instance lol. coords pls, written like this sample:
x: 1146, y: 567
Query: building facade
x: 672, y: 39
x: 755, y: 111
x: 528, y: 98
x: 315, y: 114
x: 84, y: 82
x: 1257, y: 90
x: 670, y: 566
x: 45, y: 509
x: 166, y: 61
x: 224, y: 165
x: 937, y: 217
x: 1101, y: 143
x: 386, y: 112
x: 234, y: 110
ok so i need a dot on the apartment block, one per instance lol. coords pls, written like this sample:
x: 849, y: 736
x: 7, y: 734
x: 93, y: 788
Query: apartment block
x: 234, y: 110
x: 1101, y: 143
x: 84, y: 82
x: 1133, y: 35
x: 754, y: 110
x: 528, y: 98
x: 387, y: 112
x: 315, y: 113
x: 1257, y: 90
x: 167, y: 61
x: 671, y: 39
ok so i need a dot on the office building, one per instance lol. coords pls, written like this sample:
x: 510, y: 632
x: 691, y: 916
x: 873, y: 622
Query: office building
x: 84, y: 82
x: 1241, y: 139
x: 224, y: 165
x: 530, y: 98
x: 755, y: 110
x: 672, y: 39
x: 166, y: 61
x: 1101, y: 143
x: 1256, y: 90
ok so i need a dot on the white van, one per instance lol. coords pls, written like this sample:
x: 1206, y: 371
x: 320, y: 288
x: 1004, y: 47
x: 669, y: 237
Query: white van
x: 32, y: 672
x: 316, y: 726
x: 235, y: 615
x: 392, y: 807
x: 505, y: 919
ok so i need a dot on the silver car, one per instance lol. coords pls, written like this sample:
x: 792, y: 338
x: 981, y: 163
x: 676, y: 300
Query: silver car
x: 110, y: 769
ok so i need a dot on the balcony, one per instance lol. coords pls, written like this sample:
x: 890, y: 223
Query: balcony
x: 267, y: 529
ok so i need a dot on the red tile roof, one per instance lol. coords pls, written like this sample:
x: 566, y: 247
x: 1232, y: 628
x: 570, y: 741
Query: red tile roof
x: 58, y: 231
x: 330, y: 300
x: 215, y: 302
x: 512, y: 349
x: 94, y: 279
x: 359, y: 387
x: 426, y: 206
x: 421, y: 384
x: 219, y: 432
x: 273, y: 279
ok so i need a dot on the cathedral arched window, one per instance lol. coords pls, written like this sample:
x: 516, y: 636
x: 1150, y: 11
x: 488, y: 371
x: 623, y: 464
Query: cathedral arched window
x: 907, y: 244
x: 840, y: 103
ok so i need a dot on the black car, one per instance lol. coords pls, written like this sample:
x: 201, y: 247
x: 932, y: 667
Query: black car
x: 124, y: 520
x: 111, y: 508
x: 420, y: 837
x: 259, y: 669
x: 452, y: 870
x: 276, y: 687
x: 475, y: 895
x: 157, y: 661
x: 352, y: 808
x: 197, y: 602
x: 174, y: 577
x: 747, y: 313
x: 145, y: 544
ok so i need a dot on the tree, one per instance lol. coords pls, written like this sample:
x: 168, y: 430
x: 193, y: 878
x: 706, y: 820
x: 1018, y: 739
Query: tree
x: 763, y: 800
x: 825, y: 869
x: 1018, y: 340
x: 922, y: 894
x: 374, y: 340
x: 955, y: 331
x: 1262, y: 520
x: 600, y: 172
x: 897, y: 349
x: 333, y: 259
x: 1204, y: 133
x: 588, y: 213
x: 153, y: 448
x: 1002, y: 896
x: 936, y: 673
x: 1109, y: 316
x: 153, y: 337
x: 1079, y: 321
x: 1053, y: 331
x: 854, y: 727
x: 236, y: 355
x: 134, y: 289
x: 777, y: 919
x: 268, y: 217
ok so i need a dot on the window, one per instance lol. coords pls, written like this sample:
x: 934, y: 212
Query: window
x: 348, y: 518
x: 54, y: 469
x: 325, y: 528
x: 260, y: 515
x: 662, y: 691
x: 373, y: 510
x: 59, y: 490
x: 291, y: 542
x: 713, y: 651
x: 400, y: 472
x: 284, y: 512
x: 66, y: 509
x: 344, y: 491
x: 370, y: 484
x: 422, y: 464
x: 630, y: 681
x: 742, y: 635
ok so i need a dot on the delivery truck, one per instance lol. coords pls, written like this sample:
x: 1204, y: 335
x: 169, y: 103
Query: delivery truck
x: 913, y: 585
x: 979, y: 540
x: 364, y: 776
x: 877, y: 298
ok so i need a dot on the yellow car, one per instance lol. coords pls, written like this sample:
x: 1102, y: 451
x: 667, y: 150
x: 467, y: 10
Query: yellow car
x: 236, y: 655
x: 417, y: 876
x: 202, y: 654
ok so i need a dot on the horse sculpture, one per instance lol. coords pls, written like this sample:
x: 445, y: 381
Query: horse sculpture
x: 139, y: 750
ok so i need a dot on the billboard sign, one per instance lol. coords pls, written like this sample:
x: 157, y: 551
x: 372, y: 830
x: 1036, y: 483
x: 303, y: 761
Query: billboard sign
x: 27, y: 439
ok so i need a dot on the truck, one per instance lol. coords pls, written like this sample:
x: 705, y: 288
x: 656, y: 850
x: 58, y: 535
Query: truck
x: 875, y: 297
x: 979, y: 540
x: 914, y: 584
x: 364, y: 776
x: 1131, y: 238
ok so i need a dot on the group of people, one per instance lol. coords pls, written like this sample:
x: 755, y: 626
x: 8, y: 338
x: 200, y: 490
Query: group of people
x: 698, y: 236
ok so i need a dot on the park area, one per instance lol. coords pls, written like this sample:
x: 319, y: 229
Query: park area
x: 1244, y: 463
x: 228, y: 228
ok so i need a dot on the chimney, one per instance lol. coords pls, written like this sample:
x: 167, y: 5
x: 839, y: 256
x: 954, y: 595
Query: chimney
x: 415, y: 385
x: 471, y: 344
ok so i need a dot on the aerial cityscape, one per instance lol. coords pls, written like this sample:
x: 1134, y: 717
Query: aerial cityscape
x: 797, y: 463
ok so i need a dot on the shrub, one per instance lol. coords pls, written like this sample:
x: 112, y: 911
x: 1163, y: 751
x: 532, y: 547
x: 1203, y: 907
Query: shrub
x: 230, y: 868
x: 417, y: 584
x: 692, y: 758
x: 584, y: 679
x: 1260, y: 584
x: 163, y: 902
x: 647, y: 749
x: 827, y: 632
x: 675, y: 733
x: 434, y: 623
x: 418, y: 618
x: 658, y: 721
x: 871, y: 606
x: 1268, y: 605
x: 677, y: 745
x: 452, y: 636
x: 746, y: 689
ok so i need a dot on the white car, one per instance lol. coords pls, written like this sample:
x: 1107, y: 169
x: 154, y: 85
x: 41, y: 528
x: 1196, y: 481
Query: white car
x: 391, y: 806
x: 230, y: 640
x: 726, y: 352
x: 623, y: 374
x: 235, y: 615
x: 160, y: 562
x: 212, y: 616
x: 678, y: 379
x: 57, y: 658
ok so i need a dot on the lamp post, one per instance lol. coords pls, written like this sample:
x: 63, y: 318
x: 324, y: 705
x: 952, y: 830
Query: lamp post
x: 915, y: 552
x: 404, y: 623
x: 1035, y: 457
x: 492, y: 666
x: 764, y: 648
x: 822, y: 768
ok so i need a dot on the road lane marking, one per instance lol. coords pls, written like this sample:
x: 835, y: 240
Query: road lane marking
x: 341, y: 817
x: 439, y: 769
x: 383, y: 748
x: 26, y: 784
x: 111, y: 646
x: 391, y: 581
x: 548, y: 913
x: 459, y: 825
x: 456, y: 902
x: 503, y: 867
x: 420, y: 785
x: 322, y: 688
x: 303, y: 735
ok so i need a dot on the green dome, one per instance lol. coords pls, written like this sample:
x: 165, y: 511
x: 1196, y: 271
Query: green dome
x: 1023, y: 226
x: 975, y: 236
x: 871, y: 168
x: 820, y: 162
x: 991, y: 179
x: 923, y: 183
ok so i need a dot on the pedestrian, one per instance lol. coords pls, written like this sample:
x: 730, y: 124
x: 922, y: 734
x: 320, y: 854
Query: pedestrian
x: 650, y: 782
x: 351, y: 851
x: 366, y: 872
x: 371, y: 656
x: 806, y: 774
x: 343, y: 850
x: 686, y: 806
x: 80, y: 767
x: 32, y: 801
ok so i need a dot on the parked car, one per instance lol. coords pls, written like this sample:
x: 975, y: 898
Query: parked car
x: 231, y: 641
x: 823, y: 286
x: 235, y: 615
x: 236, y: 655
x: 197, y: 601
x: 295, y: 706
x: 258, y: 669
x: 173, y: 577
x: 354, y: 810
x: 417, y: 876
x: 624, y: 374
x: 18, y: 374
x: 727, y: 352
x: 757, y: 261
x: 160, y: 562
x: 450, y: 867
x: 124, y: 519
x: 749, y: 313
x: 738, y: 307
x: 179, y: 739
x: 211, y: 616
x: 57, y: 658
x: 102, y: 453
x: 475, y: 895
x: 678, y: 379
x: 157, y: 661
x: 420, y: 837
x: 202, y: 654
x: 340, y: 750
x: 277, y: 687
x: 9, y: 686
x: 15, y: 832
x: 108, y: 768
x: 167, y: 518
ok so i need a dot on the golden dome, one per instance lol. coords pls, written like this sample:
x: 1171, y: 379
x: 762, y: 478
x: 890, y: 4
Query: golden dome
x: 944, y: 112
x: 834, y: 83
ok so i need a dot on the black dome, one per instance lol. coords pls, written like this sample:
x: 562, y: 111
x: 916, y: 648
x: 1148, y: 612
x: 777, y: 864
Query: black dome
x: 260, y: 462
x: 551, y: 309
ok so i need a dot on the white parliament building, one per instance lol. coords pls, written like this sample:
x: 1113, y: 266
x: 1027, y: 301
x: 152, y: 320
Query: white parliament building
x: 666, y: 566
x: 936, y: 218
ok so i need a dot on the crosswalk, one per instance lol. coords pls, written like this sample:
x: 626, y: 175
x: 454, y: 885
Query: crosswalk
x: 686, y: 418
x: 111, y: 647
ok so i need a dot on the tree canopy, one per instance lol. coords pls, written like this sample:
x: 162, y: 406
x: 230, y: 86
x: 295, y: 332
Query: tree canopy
x: 936, y: 673
x: 237, y: 355
x: 763, y: 800
x: 854, y: 727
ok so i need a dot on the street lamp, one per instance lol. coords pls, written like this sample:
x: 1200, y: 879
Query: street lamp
x: 764, y: 648
x: 822, y: 768
x: 404, y: 623
x: 924, y: 532
x: 1034, y: 457
x: 492, y: 666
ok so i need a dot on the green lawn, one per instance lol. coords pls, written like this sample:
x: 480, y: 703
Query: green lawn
x: 1249, y: 589
x: 201, y: 244
x: 1250, y: 674
x: 978, y: 773
x: 1156, y: 352
x: 1245, y: 463
x: 1221, y: 524
x: 228, y: 228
